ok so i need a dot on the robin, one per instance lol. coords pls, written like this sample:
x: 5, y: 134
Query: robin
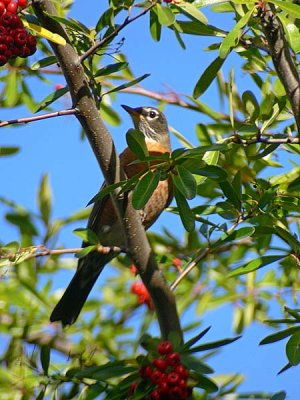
x: 103, y: 219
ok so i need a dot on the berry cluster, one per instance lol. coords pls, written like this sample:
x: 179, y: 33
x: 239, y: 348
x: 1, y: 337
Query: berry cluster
x: 15, y: 41
x: 166, y: 374
x: 139, y: 289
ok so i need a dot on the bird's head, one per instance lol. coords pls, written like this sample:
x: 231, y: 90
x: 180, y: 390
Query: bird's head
x: 150, y: 121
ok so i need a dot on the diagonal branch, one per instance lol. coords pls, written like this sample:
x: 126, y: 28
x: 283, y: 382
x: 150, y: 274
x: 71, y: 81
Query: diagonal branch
x: 282, y: 58
x: 108, y: 160
x: 103, y: 42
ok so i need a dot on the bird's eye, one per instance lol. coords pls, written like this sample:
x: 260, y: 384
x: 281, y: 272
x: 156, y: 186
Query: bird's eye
x: 152, y: 114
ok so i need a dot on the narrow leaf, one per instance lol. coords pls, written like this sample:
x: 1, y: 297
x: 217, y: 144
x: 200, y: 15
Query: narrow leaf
x: 254, y: 265
x: 207, y: 77
x: 87, y: 235
x: 185, y: 182
x: 155, y: 26
x: 128, y: 84
x: 164, y: 14
x: 185, y: 213
x: 8, y: 151
x: 45, y: 199
x: 85, y: 251
x: 275, y: 337
x: 144, y: 189
x: 136, y: 142
x: 213, y: 345
x: 110, y: 69
x: 44, y: 62
x: 45, y: 358
x: 230, y: 193
x: 233, y: 36
x: 293, y: 349
x: 51, y: 98
x: 53, y: 37
x: 190, y: 10
x: 290, y: 8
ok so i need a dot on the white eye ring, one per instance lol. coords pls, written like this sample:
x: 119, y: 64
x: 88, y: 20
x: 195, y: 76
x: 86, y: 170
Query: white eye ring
x: 153, y: 114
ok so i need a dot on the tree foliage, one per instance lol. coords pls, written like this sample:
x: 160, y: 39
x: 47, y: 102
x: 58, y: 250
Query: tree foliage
x: 236, y: 194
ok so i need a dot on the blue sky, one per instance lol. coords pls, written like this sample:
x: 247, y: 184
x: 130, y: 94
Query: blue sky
x: 54, y: 147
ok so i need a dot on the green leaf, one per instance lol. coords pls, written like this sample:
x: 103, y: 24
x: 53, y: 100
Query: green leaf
x: 190, y: 10
x: 287, y: 237
x: 85, y: 251
x: 45, y: 33
x: 185, y: 182
x: 290, y: 8
x: 213, y: 345
x: 155, y: 26
x: 185, y: 213
x: 136, y: 142
x: 45, y: 62
x: 87, y: 235
x: 207, y: 77
x: 195, y: 339
x: 238, y: 234
x: 291, y: 31
x: 293, y: 349
x: 103, y: 372
x: 45, y: 199
x: 51, y: 98
x: 230, y: 97
x: 144, y: 189
x: 232, y: 38
x: 230, y: 193
x: 199, y: 29
x: 45, y: 358
x: 251, y: 105
x: 254, y: 265
x: 111, y: 69
x: 8, y: 151
x: 126, y: 85
x: 164, y: 14
x: 279, y: 396
x: 11, y: 92
x: 275, y: 337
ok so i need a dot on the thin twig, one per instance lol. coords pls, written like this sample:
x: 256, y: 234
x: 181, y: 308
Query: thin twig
x: 26, y: 120
x: 108, y: 38
x: 260, y: 139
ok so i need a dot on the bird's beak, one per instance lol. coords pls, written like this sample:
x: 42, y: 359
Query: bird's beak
x: 133, y: 112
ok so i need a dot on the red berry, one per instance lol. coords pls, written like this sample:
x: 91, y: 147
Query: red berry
x: 6, y: 19
x: 165, y: 347
x: 21, y: 38
x: 6, y: 2
x: 173, y: 359
x: 12, y: 7
x: 9, y: 40
x: 176, y: 393
x: 160, y: 364
x: 156, y: 376
x: 132, y: 388
x: 182, y: 384
x: 183, y: 372
x: 26, y: 51
x: 3, y: 48
x: 3, y: 30
x: 3, y: 60
x: 8, y: 54
x: 31, y: 40
x: 133, y: 269
x: 22, y: 3
x: 173, y: 378
x: 148, y: 372
x: 2, y: 7
x: 16, y: 21
x: 137, y: 288
x: 163, y: 387
x: 177, y: 262
x: 155, y: 395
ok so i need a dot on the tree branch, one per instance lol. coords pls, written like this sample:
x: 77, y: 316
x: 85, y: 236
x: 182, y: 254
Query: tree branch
x: 108, y: 160
x: 26, y: 120
x: 281, y: 56
x: 101, y: 43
